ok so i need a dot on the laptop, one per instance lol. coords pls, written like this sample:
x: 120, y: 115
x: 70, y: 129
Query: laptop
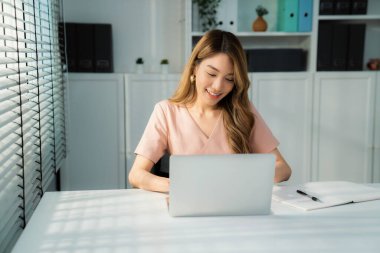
x: 221, y: 185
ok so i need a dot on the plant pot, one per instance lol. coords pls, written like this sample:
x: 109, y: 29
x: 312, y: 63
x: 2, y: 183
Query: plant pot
x: 164, y: 68
x: 139, y: 68
x: 259, y: 25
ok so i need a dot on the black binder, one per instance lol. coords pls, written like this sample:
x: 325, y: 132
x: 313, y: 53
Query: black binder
x: 275, y: 60
x: 326, y: 7
x: 356, y: 47
x: 359, y: 6
x: 103, y: 48
x: 70, y: 44
x: 342, y: 7
x: 85, y: 48
x: 339, y: 47
x: 325, y: 36
x: 62, y: 43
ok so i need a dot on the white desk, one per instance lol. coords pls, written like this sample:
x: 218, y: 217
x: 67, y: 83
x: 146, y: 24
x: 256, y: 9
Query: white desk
x: 138, y: 221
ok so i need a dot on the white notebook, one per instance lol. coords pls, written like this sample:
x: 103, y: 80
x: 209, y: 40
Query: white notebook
x: 325, y: 194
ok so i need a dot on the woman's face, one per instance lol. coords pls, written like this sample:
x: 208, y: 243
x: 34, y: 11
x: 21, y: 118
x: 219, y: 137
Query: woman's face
x: 214, y: 79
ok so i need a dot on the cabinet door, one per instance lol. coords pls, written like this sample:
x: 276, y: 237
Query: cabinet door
x: 142, y: 92
x: 284, y: 101
x: 95, y: 132
x: 376, y: 158
x: 343, y: 126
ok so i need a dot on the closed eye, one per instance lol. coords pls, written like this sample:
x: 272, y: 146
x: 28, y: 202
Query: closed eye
x: 210, y: 74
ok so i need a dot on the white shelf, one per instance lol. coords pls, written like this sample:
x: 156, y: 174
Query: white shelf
x: 349, y: 17
x: 272, y: 34
x: 264, y: 34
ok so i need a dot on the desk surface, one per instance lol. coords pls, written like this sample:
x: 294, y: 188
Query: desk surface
x: 138, y: 221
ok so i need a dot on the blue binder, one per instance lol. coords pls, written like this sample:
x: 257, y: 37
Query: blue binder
x: 305, y: 15
x: 287, y: 15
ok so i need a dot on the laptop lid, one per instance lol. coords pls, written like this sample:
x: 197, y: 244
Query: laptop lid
x: 233, y: 184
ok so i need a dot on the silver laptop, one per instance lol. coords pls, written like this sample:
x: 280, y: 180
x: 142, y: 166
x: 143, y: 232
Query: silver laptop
x: 208, y: 185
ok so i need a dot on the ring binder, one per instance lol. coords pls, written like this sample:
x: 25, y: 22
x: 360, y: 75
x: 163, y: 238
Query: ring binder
x: 305, y: 16
x: 288, y: 15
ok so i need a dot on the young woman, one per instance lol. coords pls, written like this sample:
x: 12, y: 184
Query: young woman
x: 210, y: 113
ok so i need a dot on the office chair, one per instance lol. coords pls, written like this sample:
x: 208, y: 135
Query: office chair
x: 161, y: 168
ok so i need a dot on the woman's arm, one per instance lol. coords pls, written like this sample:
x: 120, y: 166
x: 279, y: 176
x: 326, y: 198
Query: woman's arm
x: 282, y: 169
x: 140, y: 176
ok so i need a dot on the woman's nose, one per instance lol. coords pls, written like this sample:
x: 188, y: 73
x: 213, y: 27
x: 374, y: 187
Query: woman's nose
x: 217, y: 84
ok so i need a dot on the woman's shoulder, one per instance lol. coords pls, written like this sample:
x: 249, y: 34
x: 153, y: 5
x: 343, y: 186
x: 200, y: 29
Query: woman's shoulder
x: 167, y: 104
x: 252, y: 107
x: 169, y: 107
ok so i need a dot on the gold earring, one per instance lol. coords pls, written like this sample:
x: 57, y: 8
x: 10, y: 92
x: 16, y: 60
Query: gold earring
x: 192, y: 78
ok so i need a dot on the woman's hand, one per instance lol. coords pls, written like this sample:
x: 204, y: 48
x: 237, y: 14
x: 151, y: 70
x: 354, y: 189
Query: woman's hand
x: 140, y: 176
x: 282, y: 169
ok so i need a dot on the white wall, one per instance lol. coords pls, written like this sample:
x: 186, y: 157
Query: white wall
x: 152, y: 29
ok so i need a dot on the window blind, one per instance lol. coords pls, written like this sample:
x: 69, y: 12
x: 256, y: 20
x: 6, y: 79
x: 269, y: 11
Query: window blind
x: 32, y: 122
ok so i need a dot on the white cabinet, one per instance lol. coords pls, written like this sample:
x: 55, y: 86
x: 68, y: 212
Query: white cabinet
x: 343, y: 126
x: 284, y: 101
x: 142, y: 92
x: 95, y: 132
x: 325, y: 122
x: 376, y: 153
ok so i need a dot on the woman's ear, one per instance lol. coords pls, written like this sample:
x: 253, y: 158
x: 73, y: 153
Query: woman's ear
x: 195, y: 69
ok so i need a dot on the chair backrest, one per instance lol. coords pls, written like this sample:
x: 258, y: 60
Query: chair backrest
x: 161, y: 168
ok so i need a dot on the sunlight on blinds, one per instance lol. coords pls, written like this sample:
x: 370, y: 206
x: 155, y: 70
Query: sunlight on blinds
x: 32, y: 122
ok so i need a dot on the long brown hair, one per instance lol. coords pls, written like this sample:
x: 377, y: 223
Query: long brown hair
x: 237, y: 115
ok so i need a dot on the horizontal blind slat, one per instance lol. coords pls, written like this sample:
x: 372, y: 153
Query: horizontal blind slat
x: 7, y: 83
x: 12, y: 216
x: 9, y: 119
x: 8, y: 130
x: 10, y: 160
x: 48, y: 180
x: 13, y: 233
x: 10, y: 195
x: 33, y: 82
x: 9, y: 218
x: 8, y: 142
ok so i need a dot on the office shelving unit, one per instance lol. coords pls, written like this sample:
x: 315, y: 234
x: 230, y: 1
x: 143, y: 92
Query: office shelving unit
x: 238, y: 15
x: 372, y: 23
x: 327, y: 121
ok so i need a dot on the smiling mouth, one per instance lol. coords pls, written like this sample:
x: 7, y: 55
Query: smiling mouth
x: 216, y: 95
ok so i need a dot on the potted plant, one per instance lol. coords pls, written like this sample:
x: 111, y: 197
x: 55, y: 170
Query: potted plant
x: 260, y: 25
x: 207, y: 13
x: 374, y: 64
x: 164, y: 66
x: 139, y: 65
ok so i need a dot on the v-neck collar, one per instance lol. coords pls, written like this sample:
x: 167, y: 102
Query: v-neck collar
x: 200, y: 129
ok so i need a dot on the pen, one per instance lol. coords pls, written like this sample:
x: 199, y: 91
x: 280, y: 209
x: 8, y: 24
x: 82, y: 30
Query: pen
x: 305, y: 194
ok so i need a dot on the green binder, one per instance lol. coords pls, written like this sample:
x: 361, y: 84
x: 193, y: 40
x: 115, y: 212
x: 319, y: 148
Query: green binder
x: 287, y: 18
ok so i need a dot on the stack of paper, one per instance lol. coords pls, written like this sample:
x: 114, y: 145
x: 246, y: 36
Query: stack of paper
x: 325, y: 194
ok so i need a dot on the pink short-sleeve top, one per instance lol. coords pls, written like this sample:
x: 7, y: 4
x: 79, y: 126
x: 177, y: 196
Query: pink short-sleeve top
x: 171, y: 129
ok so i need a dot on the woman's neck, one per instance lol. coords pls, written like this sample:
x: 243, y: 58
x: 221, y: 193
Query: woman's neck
x: 203, y: 111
